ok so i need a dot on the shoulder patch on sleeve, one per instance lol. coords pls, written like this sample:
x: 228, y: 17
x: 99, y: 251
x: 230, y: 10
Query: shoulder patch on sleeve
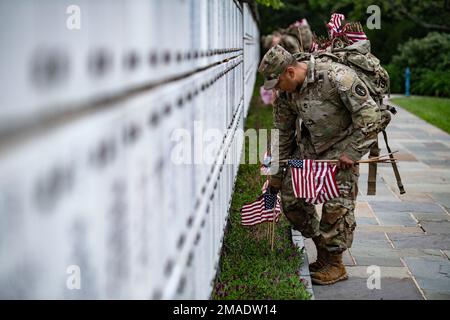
x: 359, y: 90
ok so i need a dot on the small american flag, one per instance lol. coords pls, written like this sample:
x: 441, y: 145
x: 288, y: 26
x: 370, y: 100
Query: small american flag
x: 314, y: 181
x: 355, y: 36
x: 314, y: 47
x: 335, y: 24
x: 261, y: 210
x: 336, y: 29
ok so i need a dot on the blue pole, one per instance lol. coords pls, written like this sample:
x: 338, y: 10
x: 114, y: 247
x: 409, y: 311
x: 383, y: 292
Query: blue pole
x: 407, y: 81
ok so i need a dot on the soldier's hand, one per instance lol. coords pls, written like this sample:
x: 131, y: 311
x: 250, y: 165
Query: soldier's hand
x: 345, y: 162
x: 274, y: 184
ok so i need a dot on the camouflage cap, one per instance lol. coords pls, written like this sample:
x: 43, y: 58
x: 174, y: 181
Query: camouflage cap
x: 273, y: 64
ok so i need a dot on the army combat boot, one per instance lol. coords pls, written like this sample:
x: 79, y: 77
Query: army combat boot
x: 321, y: 257
x: 332, y: 272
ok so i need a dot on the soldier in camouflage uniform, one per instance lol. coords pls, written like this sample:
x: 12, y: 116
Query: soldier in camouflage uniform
x: 297, y: 39
x: 294, y: 39
x: 271, y: 40
x: 339, y: 121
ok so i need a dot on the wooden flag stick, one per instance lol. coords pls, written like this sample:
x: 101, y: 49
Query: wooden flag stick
x: 273, y: 227
x: 382, y: 158
x: 387, y: 160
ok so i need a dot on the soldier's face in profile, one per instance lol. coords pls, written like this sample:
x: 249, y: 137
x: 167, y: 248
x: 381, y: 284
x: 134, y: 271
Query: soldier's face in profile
x: 287, y: 81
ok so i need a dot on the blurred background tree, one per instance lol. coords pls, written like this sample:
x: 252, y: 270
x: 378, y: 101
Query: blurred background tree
x: 413, y: 33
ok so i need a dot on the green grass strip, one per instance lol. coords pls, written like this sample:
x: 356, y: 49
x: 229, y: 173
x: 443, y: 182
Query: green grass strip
x: 431, y: 109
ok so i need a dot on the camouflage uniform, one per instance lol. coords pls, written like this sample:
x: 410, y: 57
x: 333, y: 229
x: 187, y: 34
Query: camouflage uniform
x: 293, y: 39
x: 297, y: 39
x: 338, y: 116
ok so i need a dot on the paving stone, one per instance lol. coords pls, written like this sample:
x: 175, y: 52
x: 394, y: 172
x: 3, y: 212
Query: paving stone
x: 405, y: 166
x: 436, y: 146
x: 356, y: 289
x: 435, y: 176
x: 420, y: 241
x: 404, y: 207
x: 438, y: 163
x: 366, y: 221
x: 433, y: 227
x: 364, y: 244
x: 363, y: 210
x: 385, y: 272
x: 430, y: 273
x: 436, y: 295
x: 442, y: 198
x: 347, y: 259
x: 414, y: 252
x: 399, y: 135
x: 428, y: 216
x: 447, y: 253
x: 364, y: 235
x: 410, y: 196
x: 396, y: 219
x: 364, y: 197
x: 426, y: 187
x: 370, y: 239
x: 382, y: 190
x: 442, y: 155
x: 387, y: 257
x: 405, y: 156
x: 391, y: 229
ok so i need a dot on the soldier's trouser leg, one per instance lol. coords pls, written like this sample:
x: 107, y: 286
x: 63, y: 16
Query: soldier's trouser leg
x: 301, y: 214
x: 338, y: 215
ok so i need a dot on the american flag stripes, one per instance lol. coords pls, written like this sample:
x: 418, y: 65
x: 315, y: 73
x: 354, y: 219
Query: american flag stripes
x: 336, y: 29
x: 303, y: 178
x: 355, y: 36
x: 335, y: 24
x: 262, y: 209
x: 314, y: 181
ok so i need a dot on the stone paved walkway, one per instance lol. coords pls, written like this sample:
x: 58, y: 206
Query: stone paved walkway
x: 407, y: 236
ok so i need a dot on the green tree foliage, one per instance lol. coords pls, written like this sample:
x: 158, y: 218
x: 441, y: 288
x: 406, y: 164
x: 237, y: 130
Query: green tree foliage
x: 429, y: 61
x: 430, y: 15
x: 275, y: 4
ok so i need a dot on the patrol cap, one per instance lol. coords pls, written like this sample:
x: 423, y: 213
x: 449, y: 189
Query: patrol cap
x: 273, y: 64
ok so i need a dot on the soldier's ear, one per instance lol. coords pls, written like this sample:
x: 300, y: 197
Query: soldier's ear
x: 291, y: 72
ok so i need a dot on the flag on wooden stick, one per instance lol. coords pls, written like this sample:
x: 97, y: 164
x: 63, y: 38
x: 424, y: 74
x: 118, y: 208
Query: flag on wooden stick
x: 266, y: 208
x: 313, y: 180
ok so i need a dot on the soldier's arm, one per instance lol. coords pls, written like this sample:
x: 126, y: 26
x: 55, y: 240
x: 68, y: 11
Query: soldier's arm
x: 364, y: 112
x: 283, y: 120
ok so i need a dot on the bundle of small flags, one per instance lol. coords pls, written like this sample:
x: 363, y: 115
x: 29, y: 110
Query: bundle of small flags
x: 353, y: 31
x: 313, y: 180
x: 266, y: 207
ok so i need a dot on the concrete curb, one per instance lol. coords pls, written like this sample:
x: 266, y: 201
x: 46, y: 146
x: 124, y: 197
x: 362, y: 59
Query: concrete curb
x: 297, y: 239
